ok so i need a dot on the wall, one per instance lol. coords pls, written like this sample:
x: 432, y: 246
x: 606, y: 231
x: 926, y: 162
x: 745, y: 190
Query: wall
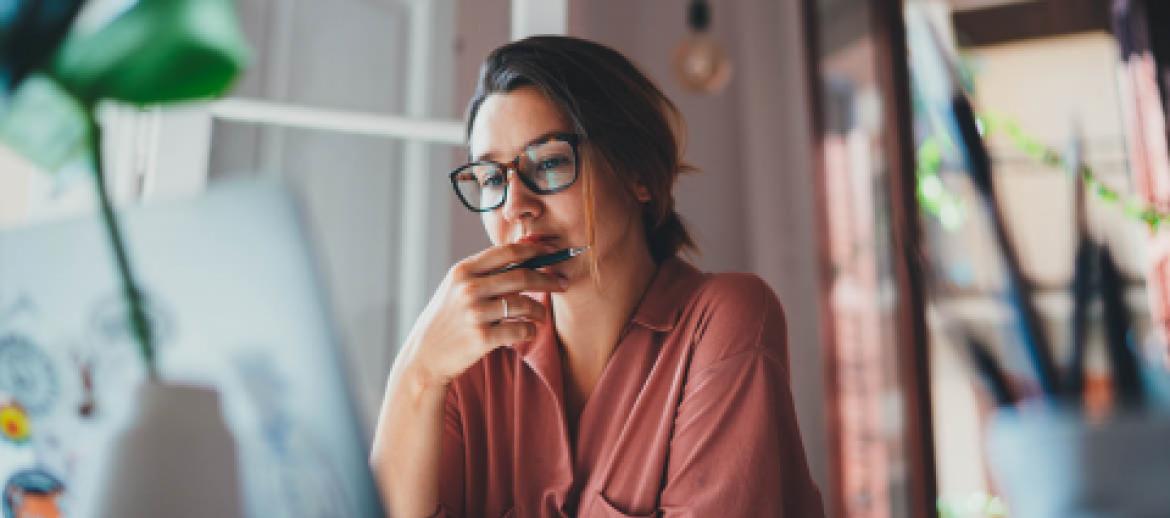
x: 345, y: 55
x: 483, y: 26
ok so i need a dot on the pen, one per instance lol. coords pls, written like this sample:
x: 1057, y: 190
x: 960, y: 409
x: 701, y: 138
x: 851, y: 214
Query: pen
x: 964, y: 127
x: 546, y: 259
x: 1083, y: 270
x: 1031, y: 327
x: 1082, y: 293
x: 1126, y: 371
x: 990, y: 371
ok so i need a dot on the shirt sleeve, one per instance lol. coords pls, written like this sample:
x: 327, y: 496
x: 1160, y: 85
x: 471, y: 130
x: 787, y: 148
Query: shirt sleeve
x: 736, y: 449
x: 451, y: 476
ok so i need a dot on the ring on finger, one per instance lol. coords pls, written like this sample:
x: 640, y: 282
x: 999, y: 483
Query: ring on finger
x: 505, y: 301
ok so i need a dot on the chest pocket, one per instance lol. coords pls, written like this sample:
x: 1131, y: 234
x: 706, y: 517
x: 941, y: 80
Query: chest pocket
x: 601, y: 507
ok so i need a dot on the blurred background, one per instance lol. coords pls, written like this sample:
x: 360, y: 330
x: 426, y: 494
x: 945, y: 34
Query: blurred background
x: 812, y: 174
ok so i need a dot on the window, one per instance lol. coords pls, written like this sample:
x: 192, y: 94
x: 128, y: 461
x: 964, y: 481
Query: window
x: 351, y: 103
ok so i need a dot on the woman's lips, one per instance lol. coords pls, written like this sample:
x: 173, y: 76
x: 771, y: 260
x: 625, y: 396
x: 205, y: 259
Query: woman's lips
x: 552, y: 242
x: 547, y: 239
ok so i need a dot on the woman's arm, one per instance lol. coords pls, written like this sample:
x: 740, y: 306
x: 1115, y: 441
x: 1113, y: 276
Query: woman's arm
x: 463, y: 322
x: 406, y: 452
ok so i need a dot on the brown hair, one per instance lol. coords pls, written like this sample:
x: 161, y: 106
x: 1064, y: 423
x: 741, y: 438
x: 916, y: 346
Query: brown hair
x: 628, y: 126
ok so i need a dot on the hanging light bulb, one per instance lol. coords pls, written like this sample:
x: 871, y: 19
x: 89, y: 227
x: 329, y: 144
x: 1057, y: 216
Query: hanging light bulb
x: 699, y: 62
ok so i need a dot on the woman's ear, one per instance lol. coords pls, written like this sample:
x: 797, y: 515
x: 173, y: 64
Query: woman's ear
x: 641, y: 193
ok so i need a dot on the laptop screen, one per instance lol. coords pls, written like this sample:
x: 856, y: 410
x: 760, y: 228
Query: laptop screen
x: 235, y: 305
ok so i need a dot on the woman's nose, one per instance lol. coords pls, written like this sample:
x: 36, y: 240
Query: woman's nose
x: 520, y: 201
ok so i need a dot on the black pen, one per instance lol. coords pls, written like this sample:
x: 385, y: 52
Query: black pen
x: 1083, y: 275
x: 1031, y: 327
x: 1127, y: 377
x: 989, y: 371
x: 546, y: 259
x: 964, y: 127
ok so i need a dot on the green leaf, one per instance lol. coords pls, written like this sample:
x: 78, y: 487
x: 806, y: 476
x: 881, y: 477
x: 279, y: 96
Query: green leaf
x: 157, y: 51
x: 43, y: 123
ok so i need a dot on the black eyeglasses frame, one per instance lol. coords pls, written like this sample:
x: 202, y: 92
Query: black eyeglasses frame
x: 574, y: 141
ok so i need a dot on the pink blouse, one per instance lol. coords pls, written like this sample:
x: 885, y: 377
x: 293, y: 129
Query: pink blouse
x: 692, y: 416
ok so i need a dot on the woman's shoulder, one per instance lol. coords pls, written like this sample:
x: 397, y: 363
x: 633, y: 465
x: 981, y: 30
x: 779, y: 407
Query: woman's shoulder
x: 739, y: 290
x: 735, y: 313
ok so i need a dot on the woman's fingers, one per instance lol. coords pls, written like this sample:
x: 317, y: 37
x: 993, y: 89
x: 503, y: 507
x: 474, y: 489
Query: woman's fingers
x: 508, y: 332
x: 466, y: 318
x: 518, y: 306
x: 515, y: 281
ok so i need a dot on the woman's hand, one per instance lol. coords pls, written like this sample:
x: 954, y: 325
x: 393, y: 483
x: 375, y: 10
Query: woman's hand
x: 463, y: 322
x: 465, y: 318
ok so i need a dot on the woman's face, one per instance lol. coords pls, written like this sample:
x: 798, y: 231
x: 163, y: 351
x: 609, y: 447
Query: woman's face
x: 504, y: 126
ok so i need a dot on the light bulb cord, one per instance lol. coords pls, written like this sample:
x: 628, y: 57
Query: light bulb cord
x: 699, y: 15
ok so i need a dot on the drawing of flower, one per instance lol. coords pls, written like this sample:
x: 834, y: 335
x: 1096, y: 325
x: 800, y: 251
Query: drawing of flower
x: 14, y: 423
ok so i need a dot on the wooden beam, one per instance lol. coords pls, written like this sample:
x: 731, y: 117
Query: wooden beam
x: 1039, y: 19
x: 911, y: 334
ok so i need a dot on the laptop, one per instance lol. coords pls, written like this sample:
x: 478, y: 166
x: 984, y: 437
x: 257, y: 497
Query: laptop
x: 232, y: 294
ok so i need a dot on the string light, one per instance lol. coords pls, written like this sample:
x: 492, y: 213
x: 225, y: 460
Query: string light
x: 947, y: 207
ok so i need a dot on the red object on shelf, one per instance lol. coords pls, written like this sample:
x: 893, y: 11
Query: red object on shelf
x: 1145, y: 79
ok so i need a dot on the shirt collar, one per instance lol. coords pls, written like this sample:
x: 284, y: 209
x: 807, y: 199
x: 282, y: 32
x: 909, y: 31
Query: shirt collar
x: 659, y: 310
x: 541, y: 353
x: 672, y: 286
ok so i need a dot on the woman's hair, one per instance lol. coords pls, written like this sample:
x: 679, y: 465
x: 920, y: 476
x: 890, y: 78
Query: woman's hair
x: 631, y: 130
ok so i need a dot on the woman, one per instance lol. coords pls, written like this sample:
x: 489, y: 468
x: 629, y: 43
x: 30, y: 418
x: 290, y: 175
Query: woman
x: 621, y: 382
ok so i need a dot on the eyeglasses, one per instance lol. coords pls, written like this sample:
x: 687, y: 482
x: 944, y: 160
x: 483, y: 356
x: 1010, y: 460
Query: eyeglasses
x: 546, y: 166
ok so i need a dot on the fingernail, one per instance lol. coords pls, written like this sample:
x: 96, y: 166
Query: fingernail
x: 564, y: 283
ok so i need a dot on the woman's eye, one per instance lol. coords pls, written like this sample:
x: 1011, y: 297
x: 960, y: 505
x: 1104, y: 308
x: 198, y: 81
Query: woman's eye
x: 492, y: 180
x: 552, y: 163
